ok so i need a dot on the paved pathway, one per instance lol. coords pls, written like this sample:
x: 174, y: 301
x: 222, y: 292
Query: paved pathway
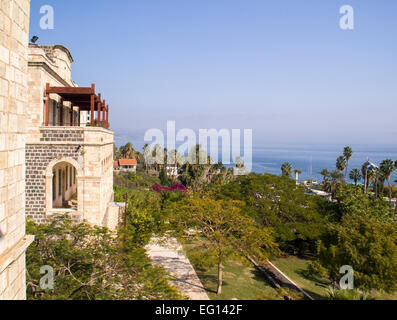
x: 170, y: 256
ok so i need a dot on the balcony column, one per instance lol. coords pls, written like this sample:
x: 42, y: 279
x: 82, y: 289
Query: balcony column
x: 61, y: 113
x: 99, y: 110
x: 78, y: 117
x: 46, y: 108
x: 103, y: 113
x: 71, y: 116
x: 107, y: 117
x: 92, y: 105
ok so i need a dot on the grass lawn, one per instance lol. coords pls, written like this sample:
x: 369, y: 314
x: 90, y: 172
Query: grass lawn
x: 241, y: 281
x: 296, y: 269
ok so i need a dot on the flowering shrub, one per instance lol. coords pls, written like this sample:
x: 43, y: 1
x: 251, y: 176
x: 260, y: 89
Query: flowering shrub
x: 174, y: 188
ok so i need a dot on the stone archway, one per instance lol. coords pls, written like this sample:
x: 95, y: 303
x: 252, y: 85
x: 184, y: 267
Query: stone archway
x: 49, y: 175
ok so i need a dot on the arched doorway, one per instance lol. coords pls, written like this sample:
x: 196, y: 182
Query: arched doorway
x: 64, y: 186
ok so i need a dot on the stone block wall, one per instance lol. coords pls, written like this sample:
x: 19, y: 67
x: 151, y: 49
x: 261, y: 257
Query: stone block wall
x: 62, y: 135
x: 91, y: 151
x: 38, y: 157
x: 14, y: 29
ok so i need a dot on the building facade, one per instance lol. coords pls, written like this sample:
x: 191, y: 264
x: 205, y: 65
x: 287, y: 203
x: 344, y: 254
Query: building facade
x: 14, y: 30
x: 69, y: 162
x: 126, y: 165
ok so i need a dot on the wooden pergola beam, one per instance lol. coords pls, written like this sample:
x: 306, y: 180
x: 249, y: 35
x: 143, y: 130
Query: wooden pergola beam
x: 72, y: 90
x: 99, y: 106
x: 103, y: 113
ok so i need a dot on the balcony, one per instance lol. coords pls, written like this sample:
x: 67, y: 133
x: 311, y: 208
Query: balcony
x: 78, y: 99
x: 75, y: 135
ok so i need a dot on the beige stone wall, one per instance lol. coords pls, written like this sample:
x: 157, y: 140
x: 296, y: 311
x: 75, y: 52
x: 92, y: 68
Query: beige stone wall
x: 98, y: 173
x: 14, y: 28
x: 12, y: 280
x: 52, y: 64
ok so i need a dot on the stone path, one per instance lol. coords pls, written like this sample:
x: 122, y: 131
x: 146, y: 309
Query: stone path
x: 170, y: 255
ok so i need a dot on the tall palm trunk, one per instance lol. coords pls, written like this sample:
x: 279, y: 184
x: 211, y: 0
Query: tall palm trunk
x: 390, y: 190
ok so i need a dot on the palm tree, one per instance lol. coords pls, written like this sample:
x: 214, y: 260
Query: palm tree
x: 325, y: 173
x: 355, y: 175
x: 332, y: 182
x: 387, y: 167
x: 146, y: 153
x: 297, y: 172
x: 165, y: 160
x: 116, y: 153
x: 368, y: 175
x: 378, y: 177
x: 341, y: 163
x: 286, y: 169
x: 347, y: 153
x: 130, y: 152
x: 174, y: 156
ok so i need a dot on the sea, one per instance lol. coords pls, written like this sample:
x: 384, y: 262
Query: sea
x: 308, y: 158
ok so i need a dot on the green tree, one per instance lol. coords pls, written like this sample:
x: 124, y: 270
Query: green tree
x: 325, y: 173
x: 341, y: 163
x: 213, y: 225
x: 332, y: 183
x: 278, y: 203
x: 367, y: 244
x: 164, y: 179
x: 146, y: 152
x: 378, y: 178
x: 347, y: 153
x: 286, y: 169
x: 355, y: 175
x: 387, y: 167
x: 352, y: 200
x: 127, y: 151
x: 368, y: 175
x: 116, y: 152
x: 91, y: 263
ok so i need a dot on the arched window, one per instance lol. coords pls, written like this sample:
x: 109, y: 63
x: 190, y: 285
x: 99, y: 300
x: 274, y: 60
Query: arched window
x: 64, y: 186
x: 66, y: 195
x: 59, y: 182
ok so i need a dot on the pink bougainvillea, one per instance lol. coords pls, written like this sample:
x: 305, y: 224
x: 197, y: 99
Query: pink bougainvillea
x: 174, y: 188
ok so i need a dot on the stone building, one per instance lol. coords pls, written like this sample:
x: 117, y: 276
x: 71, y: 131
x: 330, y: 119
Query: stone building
x: 14, y: 30
x: 69, y: 164
x: 126, y: 165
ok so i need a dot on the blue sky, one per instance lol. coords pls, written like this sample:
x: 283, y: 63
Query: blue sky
x: 282, y: 68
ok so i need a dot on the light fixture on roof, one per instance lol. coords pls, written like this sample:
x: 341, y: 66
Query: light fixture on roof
x: 34, y: 39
